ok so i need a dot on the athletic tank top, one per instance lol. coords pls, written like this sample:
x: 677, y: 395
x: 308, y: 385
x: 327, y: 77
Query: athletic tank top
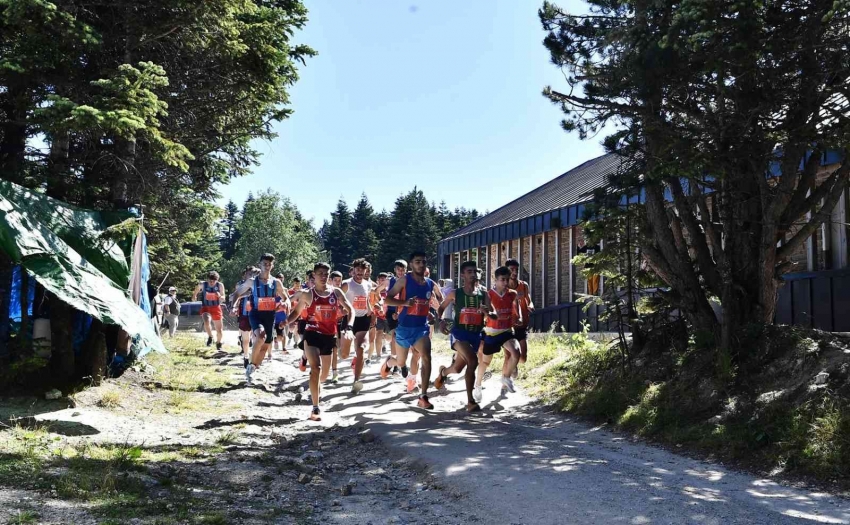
x: 323, y: 313
x: 524, y: 298
x: 392, y: 309
x: 264, y: 299
x: 358, y: 296
x: 468, y: 314
x: 381, y: 307
x: 211, y: 295
x: 416, y: 315
x: 505, y: 306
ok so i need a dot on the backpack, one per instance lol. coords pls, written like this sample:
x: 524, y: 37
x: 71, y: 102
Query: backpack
x: 174, y: 307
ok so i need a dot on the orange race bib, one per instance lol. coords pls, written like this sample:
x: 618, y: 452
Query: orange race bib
x: 420, y: 307
x: 325, y: 312
x: 211, y: 296
x: 360, y: 303
x: 266, y: 304
x: 504, y: 321
x: 471, y: 316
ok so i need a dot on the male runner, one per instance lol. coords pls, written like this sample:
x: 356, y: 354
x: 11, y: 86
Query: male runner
x: 498, y: 332
x: 526, y: 307
x: 342, y: 322
x: 265, y: 291
x: 471, y: 303
x: 322, y: 302
x: 211, y: 301
x: 242, y: 307
x: 380, y: 311
x: 399, y: 271
x: 373, y: 331
x: 358, y: 291
x: 294, y: 292
x: 280, y: 323
x: 413, y: 331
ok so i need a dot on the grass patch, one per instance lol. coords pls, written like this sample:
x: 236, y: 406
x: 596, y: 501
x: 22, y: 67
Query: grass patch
x: 24, y: 516
x: 188, y: 366
x: 675, y: 397
x: 227, y: 438
x: 110, y: 398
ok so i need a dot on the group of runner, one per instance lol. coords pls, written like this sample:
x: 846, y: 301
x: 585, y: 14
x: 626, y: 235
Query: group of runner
x: 326, y: 316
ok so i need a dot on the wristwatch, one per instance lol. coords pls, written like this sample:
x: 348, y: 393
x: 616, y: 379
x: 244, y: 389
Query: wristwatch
x: 349, y: 328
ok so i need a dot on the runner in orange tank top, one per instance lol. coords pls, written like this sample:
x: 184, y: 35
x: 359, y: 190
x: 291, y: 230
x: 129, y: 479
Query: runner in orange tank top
x: 499, y: 332
x: 526, y: 308
x: 322, y: 304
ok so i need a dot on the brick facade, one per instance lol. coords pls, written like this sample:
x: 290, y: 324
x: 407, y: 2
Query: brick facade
x: 537, y: 268
x: 565, y: 260
x: 525, y: 258
x: 551, y: 269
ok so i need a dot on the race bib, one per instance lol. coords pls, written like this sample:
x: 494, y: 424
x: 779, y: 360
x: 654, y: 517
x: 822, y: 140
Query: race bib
x: 471, y: 316
x: 503, y: 322
x: 360, y: 303
x: 326, y: 312
x: 266, y: 304
x: 419, y: 308
x: 211, y: 296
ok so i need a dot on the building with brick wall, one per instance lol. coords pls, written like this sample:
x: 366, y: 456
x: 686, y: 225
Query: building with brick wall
x: 542, y: 230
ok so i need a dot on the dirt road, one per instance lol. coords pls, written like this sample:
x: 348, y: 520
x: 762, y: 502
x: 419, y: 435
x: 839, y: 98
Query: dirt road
x: 513, y: 463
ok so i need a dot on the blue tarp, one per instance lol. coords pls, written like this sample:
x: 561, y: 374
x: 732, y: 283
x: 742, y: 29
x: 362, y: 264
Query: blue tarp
x: 15, y: 299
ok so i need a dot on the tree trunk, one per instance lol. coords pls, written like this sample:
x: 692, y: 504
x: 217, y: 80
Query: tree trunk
x: 62, y: 341
x: 57, y: 166
x: 94, y: 353
x: 13, y: 138
x: 126, y: 152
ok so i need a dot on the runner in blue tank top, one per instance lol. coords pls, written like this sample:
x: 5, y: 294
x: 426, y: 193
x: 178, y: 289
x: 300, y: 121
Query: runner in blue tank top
x: 265, y: 292
x: 241, y: 309
x: 414, y: 294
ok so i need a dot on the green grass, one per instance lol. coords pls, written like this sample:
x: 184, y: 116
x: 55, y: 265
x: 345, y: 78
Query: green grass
x: 807, y: 433
x: 24, y: 516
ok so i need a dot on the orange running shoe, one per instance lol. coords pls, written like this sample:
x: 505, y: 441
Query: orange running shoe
x: 424, y: 403
x: 440, y: 382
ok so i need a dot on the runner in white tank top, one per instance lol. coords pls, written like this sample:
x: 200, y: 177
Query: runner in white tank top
x: 358, y: 292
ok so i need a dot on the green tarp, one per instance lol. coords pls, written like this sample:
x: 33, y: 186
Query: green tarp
x: 63, y: 248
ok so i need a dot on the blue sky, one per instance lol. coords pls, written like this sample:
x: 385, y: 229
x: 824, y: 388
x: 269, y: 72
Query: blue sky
x: 439, y: 94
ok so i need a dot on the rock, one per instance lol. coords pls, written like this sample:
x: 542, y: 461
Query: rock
x: 367, y: 437
x: 346, y: 489
x: 822, y: 378
x: 53, y: 394
x: 304, y: 478
x: 335, y: 503
x: 75, y: 414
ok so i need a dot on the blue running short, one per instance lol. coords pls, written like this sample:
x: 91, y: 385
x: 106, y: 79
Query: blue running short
x: 473, y: 338
x: 406, y: 336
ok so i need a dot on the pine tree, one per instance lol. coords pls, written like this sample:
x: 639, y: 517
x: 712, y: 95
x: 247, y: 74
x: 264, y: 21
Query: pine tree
x: 364, y: 241
x: 337, y: 237
x: 229, y: 233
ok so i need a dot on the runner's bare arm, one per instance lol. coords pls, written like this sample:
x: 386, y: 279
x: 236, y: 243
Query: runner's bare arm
x: 447, y: 301
x: 221, y: 293
x: 197, y: 291
x: 243, y: 290
x: 518, y: 308
x: 346, y: 305
x: 438, y: 293
x: 394, y: 291
x: 281, y: 292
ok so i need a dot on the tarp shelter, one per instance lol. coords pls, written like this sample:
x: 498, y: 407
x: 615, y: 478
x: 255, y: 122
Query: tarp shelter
x: 69, y: 252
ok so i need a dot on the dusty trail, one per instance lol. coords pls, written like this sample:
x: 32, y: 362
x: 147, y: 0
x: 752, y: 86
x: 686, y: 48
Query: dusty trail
x: 513, y: 463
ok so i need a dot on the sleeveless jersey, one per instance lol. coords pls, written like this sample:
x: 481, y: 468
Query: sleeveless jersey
x: 244, y: 303
x: 358, y: 296
x: 212, y: 295
x: 505, y: 306
x: 416, y: 315
x: 468, y: 315
x: 392, y: 309
x: 263, y: 296
x: 323, y: 313
x: 524, y: 297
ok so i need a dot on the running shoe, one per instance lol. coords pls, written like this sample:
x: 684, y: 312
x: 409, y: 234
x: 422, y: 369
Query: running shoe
x: 424, y: 403
x: 395, y: 370
x: 244, y: 362
x: 218, y: 346
x: 249, y: 370
x: 368, y: 361
x: 356, y: 387
x: 315, y: 415
x: 508, y: 385
x: 303, y: 364
x: 385, y: 369
x: 335, y: 378
x: 411, y: 383
x: 487, y: 375
x: 209, y: 341
x: 477, y: 394
x: 440, y: 382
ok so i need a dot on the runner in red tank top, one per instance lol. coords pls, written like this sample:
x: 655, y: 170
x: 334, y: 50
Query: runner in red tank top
x: 526, y: 306
x: 499, y: 332
x: 341, y: 323
x: 321, y: 304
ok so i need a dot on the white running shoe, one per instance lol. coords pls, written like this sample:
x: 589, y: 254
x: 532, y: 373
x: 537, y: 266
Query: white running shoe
x: 356, y: 387
x: 477, y: 394
x: 248, y: 371
x: 508, y: 385
x: 411, y: 382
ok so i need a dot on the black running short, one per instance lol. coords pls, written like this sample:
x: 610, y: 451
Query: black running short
x: 325, y: 343
x: 302, y: 325
x: 340, y: 325
x: 392, y: 324
x: 521, y: 333
x: 493, y: 343
x: 362, y: 323
x: 264, y: 319
x: 278, y: 329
